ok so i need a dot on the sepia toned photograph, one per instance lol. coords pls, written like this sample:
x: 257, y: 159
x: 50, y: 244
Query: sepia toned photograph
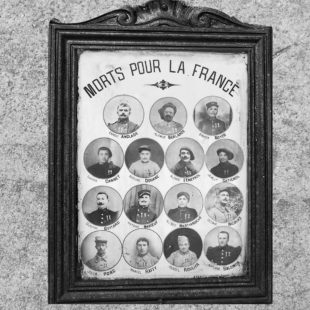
x: 142, y: 248
x: 103, y: 158
x: 168, y: 116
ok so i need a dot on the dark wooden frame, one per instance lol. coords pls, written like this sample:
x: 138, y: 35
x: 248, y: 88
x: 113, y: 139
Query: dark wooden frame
x: 158, y: 25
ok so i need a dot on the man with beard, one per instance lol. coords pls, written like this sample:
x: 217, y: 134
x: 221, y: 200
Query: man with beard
x: 101, y: 261
x: 224, y: 169
x: 104, y: 168
x: 221, y: 212
x: 185, y: 168
x: 123, y: 125
x: 141, y: 213
x: 182, y: 214
x: 143, y: 259
x: 183, y: 257
x: 167, y: 126
x: 223, y: 254
x: 211, y: 125
x: 102, y: 216
x: 145, y: 167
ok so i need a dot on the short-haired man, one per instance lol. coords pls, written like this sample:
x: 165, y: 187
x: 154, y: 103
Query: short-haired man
x: 223, y: 254
x: 225, y: 169
x: 144, y: 167
x: 101, y: 261
x: 142, y: 258
x: 104, y: 168
x: 123, y: 125
x: 185, y: 167
x: 183, y: 213
x: 102, y: 216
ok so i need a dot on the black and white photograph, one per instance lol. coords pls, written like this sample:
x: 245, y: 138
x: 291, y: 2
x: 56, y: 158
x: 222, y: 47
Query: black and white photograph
x: 168, y: 116
x: 142, y: 248
x: 123, y: 114
x: 102, y: 205
x: 183, y: 203
x: 212, y: 115
x: 224, y: 202
x: 103, y: 158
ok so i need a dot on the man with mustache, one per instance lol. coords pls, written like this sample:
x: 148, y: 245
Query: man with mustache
x: 102, y: 216
x: 185, y: 168
x: 101, y: 261
x: 168, y: 126
x: 225, y: 169
x: 141, y: 213
x: 123, y: 125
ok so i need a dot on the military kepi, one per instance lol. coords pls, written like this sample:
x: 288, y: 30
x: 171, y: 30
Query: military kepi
x: 100, y: 239
x: 144, y: 148
x: 144, y: 192
x: 212, y: 104
x: 229, y: 154
x: 183, y: 194
x: 189, y: 150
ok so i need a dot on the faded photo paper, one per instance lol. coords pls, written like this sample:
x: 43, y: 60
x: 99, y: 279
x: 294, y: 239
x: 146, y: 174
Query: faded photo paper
x: 162, y: 164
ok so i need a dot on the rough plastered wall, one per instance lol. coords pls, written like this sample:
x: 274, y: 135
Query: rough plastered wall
x: 23, y: 152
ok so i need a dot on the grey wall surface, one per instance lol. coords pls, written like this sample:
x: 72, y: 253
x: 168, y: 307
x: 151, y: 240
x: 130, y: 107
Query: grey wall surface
x: 23, y: 152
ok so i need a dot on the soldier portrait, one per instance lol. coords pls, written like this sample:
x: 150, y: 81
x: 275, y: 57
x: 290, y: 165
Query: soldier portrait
x: 168, y: 116
x: 224, y: 158
x: 223, y: 246
x: 224, y: 202
x: 144, y: 158
x: 123, y: 114
x: 103, y: 158
x: 183, y: 203
x: 212, y: 115
x: 182, y: 247
x: 102, y: 205
x: 101, y: 250
x: 142, y: 248
x: 184, y: 157
x: 143, y: 204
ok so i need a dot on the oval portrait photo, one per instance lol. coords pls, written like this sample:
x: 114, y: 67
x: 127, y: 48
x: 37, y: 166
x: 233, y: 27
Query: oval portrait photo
x: 144, y: 158
x: 103, y: 158
x: 168, y: 116
x: 101, y: 250
x: 102, y: 205
x: 123, y: 114
x: 212, y: 115
x: 142, y: 248
x: 183, y: 203
x: 224, y: 158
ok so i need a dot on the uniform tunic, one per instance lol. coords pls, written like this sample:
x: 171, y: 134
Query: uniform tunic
x: 99, y: 263
x: 225, y: 170
x: 104, y: 171
x: 184, y: 169
x: 182, y: 215
x: 145, y: 261
x: 141, y: 215
x: 221, y: 214
x: 212, y: 126
x: 102, y: 217
x: 223, y: 255
x: 144, y: 170
x: 179, y: 259
x: 123, y: 127
x: 168, y: 128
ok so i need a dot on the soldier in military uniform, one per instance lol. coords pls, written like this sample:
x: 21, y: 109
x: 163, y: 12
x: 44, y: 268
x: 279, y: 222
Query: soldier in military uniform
x: 143, y: 259
x: 104, y: 168
x: 224, y: 169
x: 185, y: 168
x: 101, y: 261
x: 102, y: 216
x: 182, y: 214
x: 211, y: 125
x: 123, y: 125
x: 223, y: 254
x: 168, y: 126
x: 141, y: 213
x: 144, y: 167
x: 183, y: 257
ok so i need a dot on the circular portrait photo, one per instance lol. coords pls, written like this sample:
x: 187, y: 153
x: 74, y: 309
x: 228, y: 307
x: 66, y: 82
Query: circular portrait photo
x: 123, y: 114
x: 103, y: 158
x: 168, y: 116
x: 142, y: 248
x: 212, y: 115
x: 144, y: 158
x: 224, y: 202
x: 143, y: 204
x: 224, y: 158
x: 183, y: 203
x: 101, y: 250
x: 184, y: 157
x: 182, y: 247
x: 102, y: 205
x: 222, y: 245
